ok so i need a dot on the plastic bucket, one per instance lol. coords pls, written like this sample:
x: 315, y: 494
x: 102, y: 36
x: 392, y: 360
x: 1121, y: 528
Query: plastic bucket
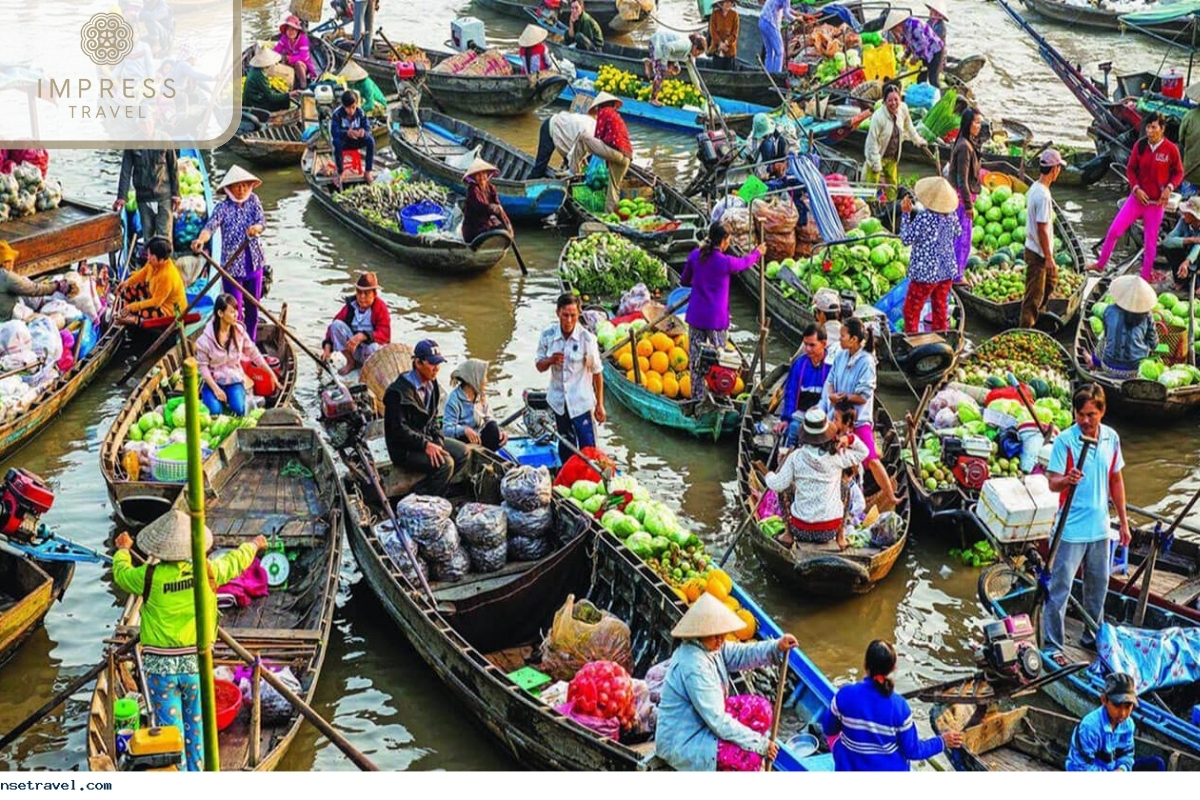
x: 229, y: 702
x: 677, y: 294
x: 126, y: 713
x: 1172, y: 84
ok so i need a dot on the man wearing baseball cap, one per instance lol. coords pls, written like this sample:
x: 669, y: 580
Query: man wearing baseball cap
x: 1181, y: 246
x: 1041, y: 273
x: 411, y: 406
x: 1103, y: 740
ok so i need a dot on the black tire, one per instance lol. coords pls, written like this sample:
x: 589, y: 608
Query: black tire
x: 928, y: 361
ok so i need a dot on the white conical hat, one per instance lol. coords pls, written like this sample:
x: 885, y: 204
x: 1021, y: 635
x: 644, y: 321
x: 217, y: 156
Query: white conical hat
x: 894, y: 18
x: 1132, y: 293
x: 708, y: 616
x: 533, y: 34
x: 602, y: 98
x: 237, y: 174
x: 353, y: 72
x: 479, y: 165
x: 936, y: 194
x: 265, y: 57
x: 939, y: 6
x: 169, y: 538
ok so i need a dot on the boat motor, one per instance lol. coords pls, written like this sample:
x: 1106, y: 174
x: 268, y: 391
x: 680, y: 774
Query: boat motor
x: 967, y: 459
x: 720, y: 369
x: 1010, y: 649
x: 24, y: 497
x: 342, y: 413
x: 467, y: 33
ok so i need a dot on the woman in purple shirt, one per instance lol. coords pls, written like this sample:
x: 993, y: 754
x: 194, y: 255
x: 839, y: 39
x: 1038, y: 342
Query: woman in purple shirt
x: 707, y: 272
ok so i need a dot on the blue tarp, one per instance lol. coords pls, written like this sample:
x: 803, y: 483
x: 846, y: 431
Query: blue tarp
x: 819, y: 201
x: 1155, y: 659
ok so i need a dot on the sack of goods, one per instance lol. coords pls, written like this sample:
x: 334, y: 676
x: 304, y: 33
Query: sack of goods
x: 581, y: 633
x: 483, y: 529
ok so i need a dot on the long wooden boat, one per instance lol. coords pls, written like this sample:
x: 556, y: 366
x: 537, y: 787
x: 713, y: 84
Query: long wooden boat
x: 1092, y: 16
x: 668, y: 413
x: 1134, y: 399
x: 814, y: 569
x: 28, y: 589
x: 1022, y: 737
x: 1162, y: 716
x: 605, y: 12
x: 278, y: 480
x: 438, y: 145
x: 137, y: 502
x: 444, y: 255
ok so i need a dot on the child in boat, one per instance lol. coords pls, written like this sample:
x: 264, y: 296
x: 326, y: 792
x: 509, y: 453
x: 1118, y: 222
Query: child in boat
x: 1103, y: 740
x: 852, y: 491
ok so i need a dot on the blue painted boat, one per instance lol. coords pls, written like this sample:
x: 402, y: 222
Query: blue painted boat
x: 441, y: 147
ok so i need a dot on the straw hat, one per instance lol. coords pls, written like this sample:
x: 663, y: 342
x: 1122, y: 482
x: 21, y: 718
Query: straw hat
x: 236, y: 175
x: 894, y: 18
x: 816, y: 429
x: 708, y: 616
x: 169, y: 538
x: 1193, y: 92
x: 7, y: 253
x: 353, y: 72
x: 291, y: 22
x: 604, y: 98
x: 265, y: 58
x: 1191, y: 206
x: 533, y: 34
x: 1132, y: 293
x: 939, y: 6
x: 936, y: 194
x: 477, y: 166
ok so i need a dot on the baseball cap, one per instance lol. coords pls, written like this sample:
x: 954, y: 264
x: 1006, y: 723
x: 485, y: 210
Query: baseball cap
x: 827, y: 300
x: 427, y: 351
x: 1119, y: 689
x: 1051, y: 158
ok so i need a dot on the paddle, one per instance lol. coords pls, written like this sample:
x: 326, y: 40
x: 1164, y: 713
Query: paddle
x: 1152, y: 515
x: 1012, y: 381
x: 779, y: 690
x: 517, y: 254
x: 1065, y: 510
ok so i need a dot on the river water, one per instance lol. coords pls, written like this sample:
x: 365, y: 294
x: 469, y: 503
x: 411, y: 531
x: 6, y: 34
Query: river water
x: 374, y: 689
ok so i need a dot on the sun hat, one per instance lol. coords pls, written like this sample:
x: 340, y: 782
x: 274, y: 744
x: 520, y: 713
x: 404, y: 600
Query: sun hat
x: 939, y: 6
x: 827, y: 300
x: 936, y: 194
x: 603, y: 98
x: 1133, y: 293
x: 708, y: 616
x: 7, y: 253
x: 1191, y: 206
x: 894, y: 18
x: 291, y: 22
x: 367, y: 280
x: 427, y: 350
x: 1119, y: 688
x: 353, y: 72
x: 169, y: 538
x: 237, y: 174
x: 265, y: 57
x: 1193, y: 92
x: 1051, y: 158
x: 816, y: 429
x: 763, y: 126
x: 533, y: 34
x: 478, y: 166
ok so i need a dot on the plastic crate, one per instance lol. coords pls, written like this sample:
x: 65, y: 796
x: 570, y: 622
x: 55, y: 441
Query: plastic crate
x: 168, y: 470
x: 531, y: 453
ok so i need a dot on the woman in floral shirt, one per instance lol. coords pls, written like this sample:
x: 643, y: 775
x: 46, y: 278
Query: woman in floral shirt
x: 919, y: 40
x: 932, y: 265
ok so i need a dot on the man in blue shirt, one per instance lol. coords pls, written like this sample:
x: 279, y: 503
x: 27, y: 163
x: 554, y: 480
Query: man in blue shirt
x: 1085, y: 534
x: 805, y: 381
x: 350, y: 130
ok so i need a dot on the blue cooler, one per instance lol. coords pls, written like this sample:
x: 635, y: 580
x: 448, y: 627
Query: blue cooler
x: 531, y: 453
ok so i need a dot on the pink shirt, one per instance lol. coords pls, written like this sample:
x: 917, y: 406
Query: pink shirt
x: 224, y: 366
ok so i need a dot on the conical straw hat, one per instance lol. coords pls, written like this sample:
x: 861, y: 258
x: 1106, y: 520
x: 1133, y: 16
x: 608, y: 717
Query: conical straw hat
x: 265, y: 57
x: 894, y: 18
x: 353, y: 72
x: 237, y: 174
x: 1132, y: 293
x: 939, y: 6
x: 533, y: 34
x: 708, y: 616
x: 602, y: 98
x: 479, y: 165
x: 936, y: 194
x: 169, y: 538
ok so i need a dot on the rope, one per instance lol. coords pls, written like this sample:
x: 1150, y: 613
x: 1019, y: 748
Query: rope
x: 294, y: 469
x: 702, y: 29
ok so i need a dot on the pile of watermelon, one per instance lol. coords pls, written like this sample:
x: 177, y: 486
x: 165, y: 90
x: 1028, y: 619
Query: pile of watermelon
x: 871, y: 266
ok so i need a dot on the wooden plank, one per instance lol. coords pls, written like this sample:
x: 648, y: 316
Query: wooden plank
x: 54, y: 239
x: 286, y: 635
x: 1185, y: 593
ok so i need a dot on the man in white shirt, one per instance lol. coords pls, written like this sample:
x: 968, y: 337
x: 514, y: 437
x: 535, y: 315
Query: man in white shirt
x: 1041, y: 273
x: 561, y: 133
x: 576, y: 391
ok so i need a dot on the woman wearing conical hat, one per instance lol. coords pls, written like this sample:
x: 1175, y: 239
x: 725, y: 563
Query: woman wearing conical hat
x: 1129, y: 331
x: 931, y: 233
x: 240, y: 218
x: 482, y: 211
x: 692, y: 720
x: 373, y: 100
x: 256, y: 88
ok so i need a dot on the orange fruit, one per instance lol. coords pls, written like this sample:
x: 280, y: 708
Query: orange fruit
x: 622, y: 350
x: 751, y: 628
x: 679, y: 593
x: 693, y: 589
x: 720, y: 576
x: 732, y: 604
x: 739, y: 386
x: 685, y: 386
x: 662, y: 342
x: 717, y: 589
x: 625, y: 360
x: 643, y: 366
x: 645, y: 348
x: 670, y: 386
x: 653, y: 382
x: 629, y: 376
x: 731, y: 637
x: 682, y: 341
x: 659, y: 362
x: 678, y: 358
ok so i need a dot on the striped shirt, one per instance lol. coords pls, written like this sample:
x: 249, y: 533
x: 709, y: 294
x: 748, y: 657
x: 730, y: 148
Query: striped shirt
x: 877, y: 733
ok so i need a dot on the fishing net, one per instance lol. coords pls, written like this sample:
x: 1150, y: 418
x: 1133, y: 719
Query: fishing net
x: 482, y: 526
x: 526, y: 488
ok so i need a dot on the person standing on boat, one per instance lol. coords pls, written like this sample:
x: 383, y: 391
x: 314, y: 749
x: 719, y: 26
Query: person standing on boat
x: 723, y: 28
x: 293, y: 48
x: 349, y: 129
x: 220, y: 352
x: 939, y: 16
x: 467, y: 417
x: 708, y: 271
x: 561, y: 132
x: 667, y: 51
x: 805, y: 380
x: 482, y: 211
x: 1041, y: 270
x: 890, y: 125
x: 827, y: 311
x: 153, y: 176
x: 576, y: 392
x: 168, y: 616
x: 240, y: 217
x: 1189, y: 144
x: 154, y: 291
x: 1181, y: 246
x: 531, y: 47
x: 874, y: 726
x: 920, y: 42
x: 374, y: 102
x: 611, y: 143
x: 770, y: 24
x: 931, y: 234
x: 583, y: 32
x: 1154, y: 171
x: 14, y: 286
x: 692, y: 720
x: 1085, y: 533
x: 362, y: 326
x: 1104, y: 740
x: 1130, y: 334
x: 257, y: 91
x: 964, y: 176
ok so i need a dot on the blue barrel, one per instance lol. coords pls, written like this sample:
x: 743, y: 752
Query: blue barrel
x: 677, y: 294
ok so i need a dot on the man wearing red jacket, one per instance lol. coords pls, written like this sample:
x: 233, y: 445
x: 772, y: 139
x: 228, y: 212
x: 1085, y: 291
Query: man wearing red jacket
x: 362, y: 326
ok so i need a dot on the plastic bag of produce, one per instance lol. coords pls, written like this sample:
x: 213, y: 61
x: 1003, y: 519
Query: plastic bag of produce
x: 946, y: 418
x: 605, y: 727
x: 526, y: 488
x: 581, y: 633
x: 453, y: 567
x: 727, y: 203
x: 487, y: 559
x: 603, y: 689
x: 276, y: 709
x: 596, y: 176
x: 634, y: 300
x: 44, y: 338
x: 417, y: 510
x: 656, y: 676
x: 645, y: 711
x: 755, y: 713
x: 436, y: 541
x: 529, y: 524
x: 737, y: 222
x: 527, y: 548
x: 482, y: 525
x: 394, y: 547
x: 778, y: 218
x: 14, y: 337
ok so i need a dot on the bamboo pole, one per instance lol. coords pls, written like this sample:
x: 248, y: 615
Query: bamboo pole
x: 255, y: 712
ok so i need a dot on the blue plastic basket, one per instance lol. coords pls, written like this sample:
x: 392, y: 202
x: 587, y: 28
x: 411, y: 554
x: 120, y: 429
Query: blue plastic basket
x: 423, y: 208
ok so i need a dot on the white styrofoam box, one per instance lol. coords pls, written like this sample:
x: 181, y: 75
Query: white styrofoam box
x: 1016, y: 510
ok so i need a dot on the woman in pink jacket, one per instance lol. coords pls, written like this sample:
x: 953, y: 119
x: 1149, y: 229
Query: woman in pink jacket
x: 293, y: 47
x: 220, y: 351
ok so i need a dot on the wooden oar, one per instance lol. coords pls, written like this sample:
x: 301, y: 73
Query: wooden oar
x: 1143, y: 512
x: 779, y: 690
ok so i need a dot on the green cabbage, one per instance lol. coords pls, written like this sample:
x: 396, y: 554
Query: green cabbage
x: 611, y: 518
x: 584, y: 489
x: 594, y: 503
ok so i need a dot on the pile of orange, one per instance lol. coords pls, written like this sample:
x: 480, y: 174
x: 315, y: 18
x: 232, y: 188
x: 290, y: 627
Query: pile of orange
x: 662, y: 364
x: 717, y: 583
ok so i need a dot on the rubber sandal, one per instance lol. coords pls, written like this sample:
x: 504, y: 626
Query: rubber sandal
x: 1060, y: 658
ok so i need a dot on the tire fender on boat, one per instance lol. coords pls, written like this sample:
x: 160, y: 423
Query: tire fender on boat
x: 928, y: 360
x: 479, y: 240
x: 831, y: 569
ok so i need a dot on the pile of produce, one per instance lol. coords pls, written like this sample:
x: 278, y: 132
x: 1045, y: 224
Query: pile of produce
x: 1029, y: 356
x: 406, y: 52
x: 830, y: 70
x: 603, y: 689
x: 193, y: 210
x: 674, y: 93
x: 1003, y: 283
x: 981, y: 554
x: 637, y: 214
x: 276, y: 82
x: 380, y: 202
x: 999, y: 223
x: 165, y: 427
x: 1163, y: 365
x: 850, y: 209
x: 606, y: 264
x: 662, y: 362
x: 24, y: 191
x: 872, y: 266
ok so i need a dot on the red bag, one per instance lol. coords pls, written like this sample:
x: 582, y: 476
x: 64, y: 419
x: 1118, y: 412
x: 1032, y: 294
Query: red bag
x: 576, y: 469
x: 1008, y: 393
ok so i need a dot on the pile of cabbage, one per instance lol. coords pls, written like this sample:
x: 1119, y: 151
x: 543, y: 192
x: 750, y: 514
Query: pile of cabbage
x: 1172, y: 312
x: 167, y: 425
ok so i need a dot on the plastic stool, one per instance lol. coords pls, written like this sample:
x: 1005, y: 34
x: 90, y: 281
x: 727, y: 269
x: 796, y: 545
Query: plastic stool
x: 352, y: 162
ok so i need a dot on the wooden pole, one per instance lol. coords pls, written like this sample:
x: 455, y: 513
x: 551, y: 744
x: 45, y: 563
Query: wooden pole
x: 779, y: 690
x: 255, y: 712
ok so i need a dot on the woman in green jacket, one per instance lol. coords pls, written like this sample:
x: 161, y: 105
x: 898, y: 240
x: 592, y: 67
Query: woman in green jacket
x: 168, y: 619
x: 370, y: 97
x: 257, y: 91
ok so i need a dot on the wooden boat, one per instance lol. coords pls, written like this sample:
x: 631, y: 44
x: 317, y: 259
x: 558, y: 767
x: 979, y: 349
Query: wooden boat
x: 28, y: 589
x: 814, y: 569
x: 1091, y: 16
x: 444, y: 255
x: 1161, y: 716
x: 137, y: 502
x: 605, y: 12
x: 280, y: 481
x: 1026, y: 738
x: 438, y: 145
x: 1133, y: 399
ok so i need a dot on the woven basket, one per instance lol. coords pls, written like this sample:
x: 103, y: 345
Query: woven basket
x: 1176, y: 341
x: 384, y: 366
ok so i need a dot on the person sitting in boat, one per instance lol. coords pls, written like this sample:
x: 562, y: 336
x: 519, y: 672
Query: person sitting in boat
x: 293, y: 48
x: 220, y: 352
x: 1103, y: 741
x: 14, y: 286
x: 723, y: 27
x: 583, y: 32
x: 1130, y: 334
x: 153, y: 176
x: 611, y: 143
x: 874, y: 725
x: 813, y: 473
x: 482, y: 211
x: 1181, y: 246
x: 766, y: 148
x: 828, y: 312
x: 467, y: 417
x: 1189, y: 144
x: 692, y: 720
x: 362, y: 326
x: 373, y: 100
x: 531, y: 47
x: 561, y: 132
x: 668, y: 51
x: 805, y: 380
x: 154, y: 291
x: 168, y: 617
x: 931, y: 233
x: 349, y: 129
x: 920, y: 42
x: 410, y: 423
x: 891, y: 124
x: 257, y: 91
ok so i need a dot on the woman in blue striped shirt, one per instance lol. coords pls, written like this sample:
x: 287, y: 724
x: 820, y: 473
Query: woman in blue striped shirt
x: 877, y: 732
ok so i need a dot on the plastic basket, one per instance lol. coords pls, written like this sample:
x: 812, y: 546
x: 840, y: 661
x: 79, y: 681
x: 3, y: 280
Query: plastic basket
x: 168, y: 470
x: 1175, y: 339
x: 425, y: 207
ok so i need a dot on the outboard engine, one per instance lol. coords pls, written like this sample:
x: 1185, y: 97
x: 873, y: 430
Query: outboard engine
x: 1010, y: 649
x: 465, y: 33
x: 24, y: 497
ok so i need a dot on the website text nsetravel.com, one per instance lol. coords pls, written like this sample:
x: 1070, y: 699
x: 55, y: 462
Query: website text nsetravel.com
x: 55, y: 786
